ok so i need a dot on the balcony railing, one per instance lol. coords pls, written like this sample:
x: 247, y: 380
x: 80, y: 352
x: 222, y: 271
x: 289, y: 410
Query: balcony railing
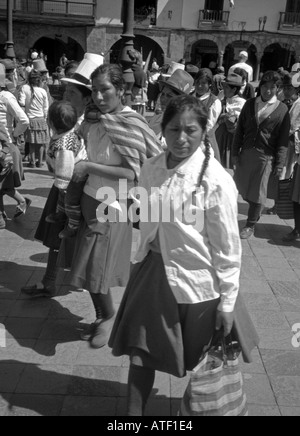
x: 218, y: 18
x: 65, y: 8
x: 289, y: 20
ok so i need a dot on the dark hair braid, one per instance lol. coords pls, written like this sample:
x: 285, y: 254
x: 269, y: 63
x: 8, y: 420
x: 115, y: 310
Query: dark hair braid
x: 206, y: 161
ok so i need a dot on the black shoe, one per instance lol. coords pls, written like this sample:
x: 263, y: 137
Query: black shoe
x: 22, y: 208
x: 38, y: 291
x: 292, y: 237
x: 67, y: 233
x: 56, y: 218
x: 89, y: 332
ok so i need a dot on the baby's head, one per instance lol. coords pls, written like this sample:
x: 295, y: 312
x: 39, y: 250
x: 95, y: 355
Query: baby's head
x: 62, y: 117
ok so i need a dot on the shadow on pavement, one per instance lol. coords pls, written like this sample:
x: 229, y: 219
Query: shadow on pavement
x: 77, y: 391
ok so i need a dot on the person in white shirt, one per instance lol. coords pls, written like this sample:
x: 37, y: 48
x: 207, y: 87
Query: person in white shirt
x: 232, y: 106
x: 33, y: 98
x: 14, y: 122
x: 204, y: 91
x: 186, y: 283
x: 243, y: 58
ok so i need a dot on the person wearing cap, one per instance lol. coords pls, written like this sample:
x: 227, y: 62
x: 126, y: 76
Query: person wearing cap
x: 247, y: 91
x: 243, y: 58
x: 34, y: 99
x: 260, y: 147
x: 179, y: 83
x: 78, y: 93
x: 139, y: 90
x: 40, y: 66
x: 232, y: 105
x: 203, y: 91
x: 14, y: 122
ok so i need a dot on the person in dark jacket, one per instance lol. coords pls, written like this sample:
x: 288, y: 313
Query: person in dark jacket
x: 260, y: 147
x: 247, y: 91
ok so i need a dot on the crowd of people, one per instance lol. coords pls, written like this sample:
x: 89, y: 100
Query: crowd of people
x: 185, y: 283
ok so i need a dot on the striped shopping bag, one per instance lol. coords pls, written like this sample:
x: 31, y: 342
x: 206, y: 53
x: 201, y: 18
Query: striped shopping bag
x: 216, y: 387
x: 284, y: 204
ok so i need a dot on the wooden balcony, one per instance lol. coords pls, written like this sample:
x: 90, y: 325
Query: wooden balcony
x: 289, y: 21
x: 55, y: 11
x: 213, y: 18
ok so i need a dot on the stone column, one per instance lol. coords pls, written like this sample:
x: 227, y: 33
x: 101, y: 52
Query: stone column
x: 221, y: 58
x: 259, y: 57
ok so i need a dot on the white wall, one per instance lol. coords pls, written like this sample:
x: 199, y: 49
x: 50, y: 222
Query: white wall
x: 167, y: 7
x: 109, y: 12
x: 185, y: 13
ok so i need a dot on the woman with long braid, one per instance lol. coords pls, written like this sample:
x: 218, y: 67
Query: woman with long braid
x: 186, y: 283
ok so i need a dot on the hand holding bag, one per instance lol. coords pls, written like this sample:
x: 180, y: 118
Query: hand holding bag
x: 216, y: 384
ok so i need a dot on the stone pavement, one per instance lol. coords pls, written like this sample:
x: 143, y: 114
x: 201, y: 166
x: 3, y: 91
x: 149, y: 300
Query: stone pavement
x: 46, y: 370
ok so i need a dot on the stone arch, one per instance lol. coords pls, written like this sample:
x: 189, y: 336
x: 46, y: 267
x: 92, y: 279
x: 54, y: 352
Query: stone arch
x: 55, y: 47
x: 278, y: 54
x: 205, y: 52
x: 233, y: 49
x: 142, y: 43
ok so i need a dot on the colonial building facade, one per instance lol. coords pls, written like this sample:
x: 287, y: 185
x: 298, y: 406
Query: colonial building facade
x: 201, y: 31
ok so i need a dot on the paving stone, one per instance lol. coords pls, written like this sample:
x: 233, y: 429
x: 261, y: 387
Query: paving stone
x: 89, y: 406
x: 282, y: 274
x: 258, y: 390
x: 251, y: 272
x: 256, y: 302
x: 5, y: 307
x: 103, y: 357
x: 61, y: 330
x: 287, y: 294
x: 259, y: 410
x: 158, y: 407
x: 256, y: 287
x: 292, y: 318
x: 24, y: 328
x: 280, y: 363
x: 95, y: 381
x: 29, y: 308
x: 178, y: 386
x: 267, y: 319
x: 45, y: 379
x: 256, y: 367
x: 290, y: 411
x: 52, y: 352
x: 10, y: 374
x: 287, y: 390
x: 5, y: 401
x: 18, y: 350
x: 35, y: 405
x: 162, y: 385
x: 276, y: 339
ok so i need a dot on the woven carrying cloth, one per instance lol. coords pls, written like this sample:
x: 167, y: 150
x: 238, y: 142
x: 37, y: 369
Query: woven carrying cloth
x: 132, y: 137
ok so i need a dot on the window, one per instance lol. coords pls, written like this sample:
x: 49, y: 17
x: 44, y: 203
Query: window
x: 293, y: 6
x: 214, y: 5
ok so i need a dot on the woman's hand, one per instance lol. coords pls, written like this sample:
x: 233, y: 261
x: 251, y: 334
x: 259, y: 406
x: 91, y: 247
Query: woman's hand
x: 80, y: 171
x: 225, y: 320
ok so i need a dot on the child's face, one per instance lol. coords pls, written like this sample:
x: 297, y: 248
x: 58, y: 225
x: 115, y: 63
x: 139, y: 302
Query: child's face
x: 183, y: 135
x: 202, y: 87
x: 106, y: 97
x: 268, y: 91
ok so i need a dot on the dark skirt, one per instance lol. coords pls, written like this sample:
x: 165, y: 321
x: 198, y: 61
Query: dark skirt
x: 253, y: 174
x: 296, y: 185
x: 14, y: 178
x: 158, y: 333
x: 100, y: 259
x: 225, y: 142
x: 48, y: 233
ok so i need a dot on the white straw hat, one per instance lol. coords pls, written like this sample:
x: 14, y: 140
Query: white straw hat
x: 83, y: 73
